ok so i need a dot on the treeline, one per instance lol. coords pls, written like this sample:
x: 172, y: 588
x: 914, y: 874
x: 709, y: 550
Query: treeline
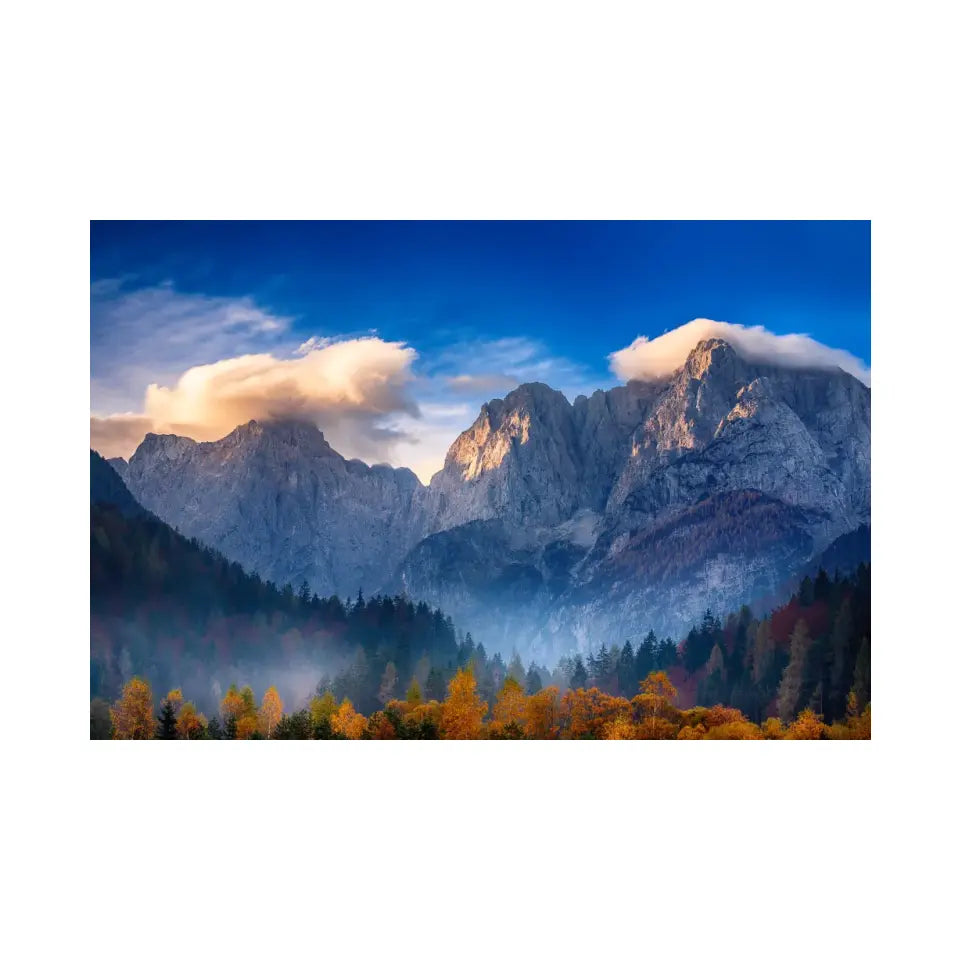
x: 651, y: 714
x: 810, y: 652
x: 176, y: 612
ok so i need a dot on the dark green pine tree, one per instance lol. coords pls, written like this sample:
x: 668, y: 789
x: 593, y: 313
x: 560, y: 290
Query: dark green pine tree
x: 667, y: 654
x: 101, y: 723
x: 627, y: 671
x: 840, y: 662
x: 578, y: 676
x: 861, y: 674
x: 214, y: 730
x: 646, y: 658
x: 534, y: 683
x: 230, y: 733
x: 166, y: 722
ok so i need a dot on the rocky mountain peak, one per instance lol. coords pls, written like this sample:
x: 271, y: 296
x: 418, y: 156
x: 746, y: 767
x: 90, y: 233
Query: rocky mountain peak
x: 305, y: 437
x: 169, y: 446
x: 712, y: 356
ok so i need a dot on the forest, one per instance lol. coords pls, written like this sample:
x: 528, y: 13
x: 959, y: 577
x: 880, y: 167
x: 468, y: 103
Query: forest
x: 800, y: 672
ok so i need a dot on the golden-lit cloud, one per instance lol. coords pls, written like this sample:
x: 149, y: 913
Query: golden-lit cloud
x: 648, y: 359
x: 346, y: 388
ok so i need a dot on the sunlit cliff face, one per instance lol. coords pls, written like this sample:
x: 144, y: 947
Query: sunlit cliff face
x: 472, y: 452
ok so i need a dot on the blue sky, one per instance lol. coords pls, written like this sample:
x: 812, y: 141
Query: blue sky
x: 479, y: 306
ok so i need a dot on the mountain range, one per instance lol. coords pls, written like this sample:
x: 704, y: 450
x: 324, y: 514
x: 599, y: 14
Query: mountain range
x: 552, y: 525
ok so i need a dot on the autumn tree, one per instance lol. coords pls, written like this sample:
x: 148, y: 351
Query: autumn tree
x: 620, y: 728
x: 239, y: 711
x: 463, y: 711
x: 347, y: 723
x: 271, y: 710
x: 247, y: 726
x: 132, y: 714
x: 232, y: 703
x: 191, y: 725
x: 543, y: 714
x: 510, y: 710
x: 807, y: 726
x: 656, y: 695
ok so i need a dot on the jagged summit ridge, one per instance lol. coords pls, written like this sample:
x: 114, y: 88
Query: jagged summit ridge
x: 567, y: 498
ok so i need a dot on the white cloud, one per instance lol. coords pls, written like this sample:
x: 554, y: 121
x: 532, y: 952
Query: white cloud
x: 650, y: 359
x: 349, y: 389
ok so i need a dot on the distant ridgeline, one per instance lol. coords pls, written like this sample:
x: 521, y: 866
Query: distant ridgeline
x: 553, y: 525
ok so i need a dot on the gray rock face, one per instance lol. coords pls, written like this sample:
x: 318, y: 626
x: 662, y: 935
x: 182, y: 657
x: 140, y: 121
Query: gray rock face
x: 551, y: 524
x: 279, y: 500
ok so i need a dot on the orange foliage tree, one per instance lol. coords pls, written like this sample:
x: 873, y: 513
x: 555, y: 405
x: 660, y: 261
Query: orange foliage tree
x: 543, y: 714
x: 510, y: 710
x: 191, y: 725
x: 132, y: 714
x: 807, y: 726
x: 346, y: 722
x: 586, y: 713
x: 462, y: 713
x: 271, y: 712
x: 656, y: 696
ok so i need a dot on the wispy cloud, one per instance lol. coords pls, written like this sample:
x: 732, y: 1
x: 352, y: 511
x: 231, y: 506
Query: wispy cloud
x: 491, y: 368
x: 143, y: 335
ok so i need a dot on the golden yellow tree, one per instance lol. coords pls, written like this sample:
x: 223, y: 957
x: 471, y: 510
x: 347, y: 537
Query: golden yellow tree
x: 735, y: 730
x: 656, y: 696
x: 379, y: 726
x: 621, y: 727
x: 807, y: 726
x: 656, y: 728
x: 773, y: 729
x: 543, y: 714
x: 247, y: 726
x: 510, y: 710
x: 585, y: 714
x: 347, y: 722
x: 462, y: 713
x: 271, y: 712
x: 232, y: 704
x: 132, y: 714
x: 190, y: 724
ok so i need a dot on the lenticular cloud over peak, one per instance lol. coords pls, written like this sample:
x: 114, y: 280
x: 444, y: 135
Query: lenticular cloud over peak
x: 647, y: 359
